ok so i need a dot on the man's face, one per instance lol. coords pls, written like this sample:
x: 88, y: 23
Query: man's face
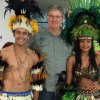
x: 21, y: 36
x: 54, y: 19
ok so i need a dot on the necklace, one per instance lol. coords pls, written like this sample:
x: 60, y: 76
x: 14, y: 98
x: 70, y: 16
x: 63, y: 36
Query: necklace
x: 21, y: 63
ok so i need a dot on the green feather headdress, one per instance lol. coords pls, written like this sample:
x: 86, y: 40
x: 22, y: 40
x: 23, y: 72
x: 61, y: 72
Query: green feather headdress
x: 82, y: 12
x: 84, y: 31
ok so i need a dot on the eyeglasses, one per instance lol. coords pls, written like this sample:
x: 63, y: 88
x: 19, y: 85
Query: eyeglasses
x: 56, y: 17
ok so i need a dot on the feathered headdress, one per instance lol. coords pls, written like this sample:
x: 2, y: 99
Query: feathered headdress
x: 84, y: 31
x: 84, y: 16
x: 23, y: 9
x: 83, y: 21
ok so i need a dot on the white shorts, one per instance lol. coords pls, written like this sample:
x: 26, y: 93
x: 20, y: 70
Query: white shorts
x: 16, y: 95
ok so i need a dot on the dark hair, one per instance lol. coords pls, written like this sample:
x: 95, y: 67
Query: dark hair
x: 78, y: 61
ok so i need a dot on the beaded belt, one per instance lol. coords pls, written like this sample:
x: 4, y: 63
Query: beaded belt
x: 87, y: 93
x: 20, y: 94
x: 96, y: 94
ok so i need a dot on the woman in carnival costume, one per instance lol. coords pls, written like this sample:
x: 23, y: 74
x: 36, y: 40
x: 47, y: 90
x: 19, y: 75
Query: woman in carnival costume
x: 82, y: 69
x: 83, y: 65
x: 23, y: 68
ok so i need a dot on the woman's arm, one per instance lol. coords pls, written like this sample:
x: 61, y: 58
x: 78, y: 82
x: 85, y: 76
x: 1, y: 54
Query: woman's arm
x: 98, y: 60
x: 69, y: 68
x: 97, y: 83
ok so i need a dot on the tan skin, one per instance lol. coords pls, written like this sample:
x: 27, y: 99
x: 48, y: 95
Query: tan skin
x: 54, y: 19
x: 84, y: 84
x: 12, y: 81
x: 97, y: 52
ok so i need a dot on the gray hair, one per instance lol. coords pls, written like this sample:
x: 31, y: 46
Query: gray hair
x: 55, y: 7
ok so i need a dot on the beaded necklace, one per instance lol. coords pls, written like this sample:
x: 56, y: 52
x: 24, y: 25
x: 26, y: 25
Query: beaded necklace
x: 21, y: 63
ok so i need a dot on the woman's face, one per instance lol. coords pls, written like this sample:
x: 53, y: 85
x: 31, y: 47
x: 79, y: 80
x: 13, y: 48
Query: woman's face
x: 54, y: 19
x: 85, y: 45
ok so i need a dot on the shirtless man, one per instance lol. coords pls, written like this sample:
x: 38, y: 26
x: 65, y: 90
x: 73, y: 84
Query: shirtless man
x: 20, y: 60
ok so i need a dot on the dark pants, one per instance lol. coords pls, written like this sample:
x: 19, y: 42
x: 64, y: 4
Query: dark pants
x: 45, y: 95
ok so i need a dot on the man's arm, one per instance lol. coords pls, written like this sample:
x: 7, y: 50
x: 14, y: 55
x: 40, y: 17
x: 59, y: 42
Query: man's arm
x: 35, y: 95
x: 39, y: 75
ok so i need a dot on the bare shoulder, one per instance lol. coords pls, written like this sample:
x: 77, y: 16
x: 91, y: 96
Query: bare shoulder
x: 98, y: 59
x: 5, y: 51
x: 71, y: 58
x: 33, y: 55
x: 31, y: 52
x: 70, y: 63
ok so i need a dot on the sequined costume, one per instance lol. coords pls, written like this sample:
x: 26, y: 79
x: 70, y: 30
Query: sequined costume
x: 91, y: 74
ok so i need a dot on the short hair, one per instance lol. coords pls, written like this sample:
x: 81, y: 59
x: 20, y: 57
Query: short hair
x: 55, y: 7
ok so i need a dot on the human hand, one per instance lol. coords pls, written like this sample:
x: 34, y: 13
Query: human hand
x: 97, y: 52
x: 96, y: 87
x: 86, y: 84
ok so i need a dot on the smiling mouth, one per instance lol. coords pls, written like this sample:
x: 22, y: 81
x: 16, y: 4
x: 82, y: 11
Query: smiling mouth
x: 85, y: 47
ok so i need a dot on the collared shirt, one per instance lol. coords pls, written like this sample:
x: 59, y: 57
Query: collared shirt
x: 57, y: 52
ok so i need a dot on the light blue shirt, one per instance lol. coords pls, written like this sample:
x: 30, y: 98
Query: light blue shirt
x: 57, y: 52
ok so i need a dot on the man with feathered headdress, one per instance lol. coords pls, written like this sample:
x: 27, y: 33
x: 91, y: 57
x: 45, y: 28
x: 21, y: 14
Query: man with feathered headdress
x: 18, y: 60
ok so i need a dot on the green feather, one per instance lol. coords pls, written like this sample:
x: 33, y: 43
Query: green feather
x: 83, y: 3
x: 84, y: 31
